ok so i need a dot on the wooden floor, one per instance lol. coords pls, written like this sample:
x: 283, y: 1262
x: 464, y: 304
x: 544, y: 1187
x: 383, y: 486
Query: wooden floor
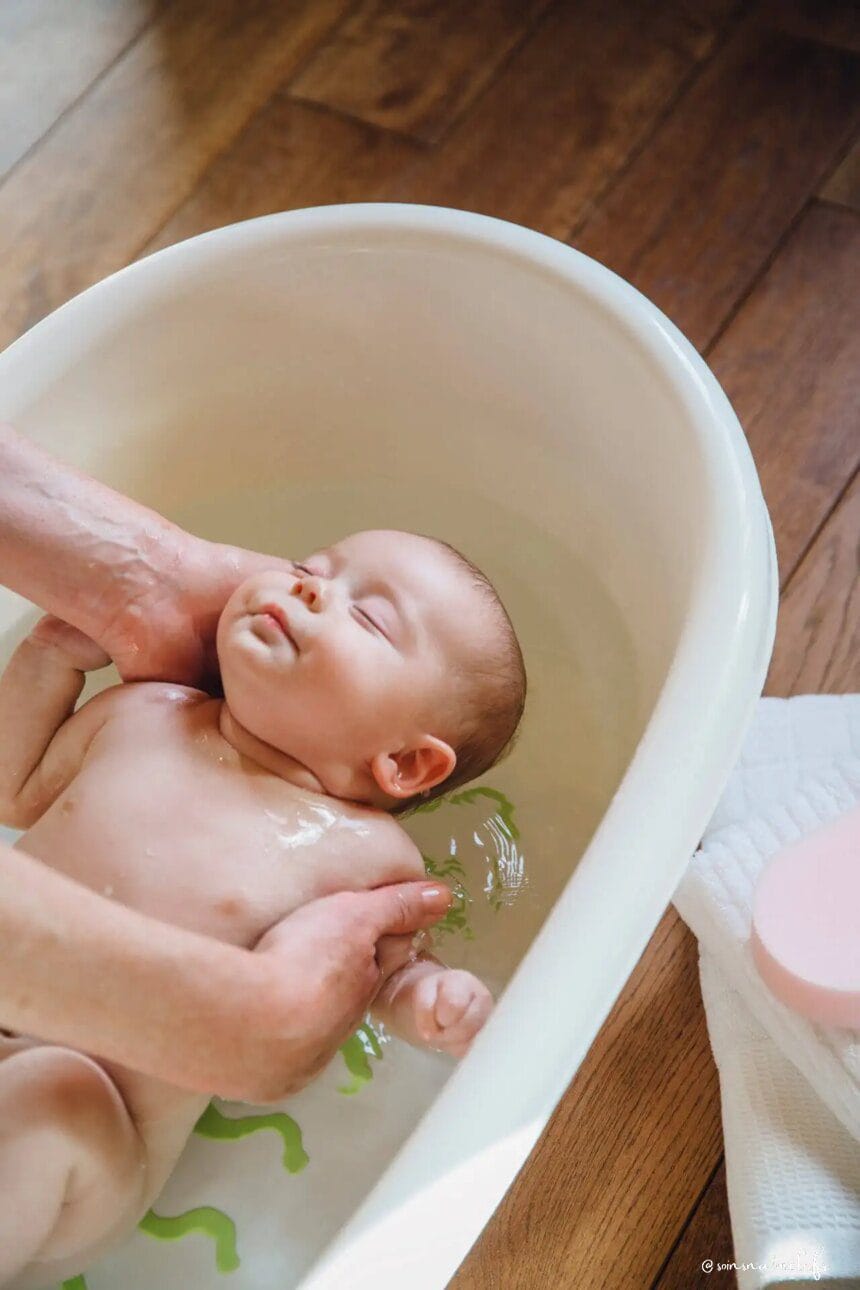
x: 706, y: 150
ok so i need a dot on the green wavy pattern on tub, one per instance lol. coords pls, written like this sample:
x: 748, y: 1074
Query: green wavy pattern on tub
x: 75, y: 1283
x: 224, y: 1128
x: 457, y: 917
x: 205, y: 1219
x: 503, y: 825
x: 505, y: 807
x: 356, y: 1052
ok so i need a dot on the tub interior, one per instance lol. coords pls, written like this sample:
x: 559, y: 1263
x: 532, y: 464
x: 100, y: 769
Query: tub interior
x: 282, y: 394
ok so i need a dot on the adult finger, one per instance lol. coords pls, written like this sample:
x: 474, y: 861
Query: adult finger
x: 406, y: 907
x: 392, y: 954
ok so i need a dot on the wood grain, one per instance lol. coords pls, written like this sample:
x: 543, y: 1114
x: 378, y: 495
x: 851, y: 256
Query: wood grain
x: 843, y: 186
x: 122, y: 160
x: 289, y: 155
x: 50, y: 51
x: 790, y: 363
x: 835, y: 21
x: 818, y: 634
x: 699, y: 211
x: 708, y: 1236
x: 594, y: 1207
x: 570, y: 107
x: 415, y: 65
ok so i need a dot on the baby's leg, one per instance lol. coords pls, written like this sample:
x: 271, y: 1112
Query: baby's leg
x: 72, y: 1166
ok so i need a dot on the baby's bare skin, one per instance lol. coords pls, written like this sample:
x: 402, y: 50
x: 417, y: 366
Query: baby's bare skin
x: 229, y: 836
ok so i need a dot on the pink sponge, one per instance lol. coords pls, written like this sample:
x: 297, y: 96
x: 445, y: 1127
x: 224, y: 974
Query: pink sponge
x: 806, y: 924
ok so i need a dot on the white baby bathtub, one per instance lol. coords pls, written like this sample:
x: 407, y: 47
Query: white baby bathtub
x: 460, y: 363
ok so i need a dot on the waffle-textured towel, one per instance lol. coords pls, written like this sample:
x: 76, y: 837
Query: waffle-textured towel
x: 790, y: 1089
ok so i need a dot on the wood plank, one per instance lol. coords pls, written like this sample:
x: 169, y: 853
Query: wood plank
x: 790, y: 363
x: 132, y: 149
x: 697, y: 214
x: 289, y: 155
x: 571, y: 106
x: 708, y: 1236
x: 50, y: 51
x: 414, y: 65
x: 835, y: 21
x: 818, y: 634
x: 843, y: 186
x: 592, y: 1208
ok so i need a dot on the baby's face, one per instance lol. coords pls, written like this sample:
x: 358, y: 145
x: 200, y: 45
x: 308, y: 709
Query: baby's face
x: 349, y: 657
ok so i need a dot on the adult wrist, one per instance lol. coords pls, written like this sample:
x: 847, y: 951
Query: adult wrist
x: 262, y: 1024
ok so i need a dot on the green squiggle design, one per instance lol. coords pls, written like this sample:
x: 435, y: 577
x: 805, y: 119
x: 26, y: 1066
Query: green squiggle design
x: 212, y: 1124
x: 355, y: 1053
x: 75, y: 1283
x: 206, y: 1219
x: 505, y: 805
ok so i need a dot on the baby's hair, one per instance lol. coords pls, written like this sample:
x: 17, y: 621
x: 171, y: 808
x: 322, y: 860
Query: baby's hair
x: 490, y: 700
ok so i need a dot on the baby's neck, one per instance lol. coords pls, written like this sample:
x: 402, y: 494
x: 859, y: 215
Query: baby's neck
x: 271, y: 759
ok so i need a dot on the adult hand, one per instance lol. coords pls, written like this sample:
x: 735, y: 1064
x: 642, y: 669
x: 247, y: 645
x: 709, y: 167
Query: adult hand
x: 325, y: 964
x: 146, y: 591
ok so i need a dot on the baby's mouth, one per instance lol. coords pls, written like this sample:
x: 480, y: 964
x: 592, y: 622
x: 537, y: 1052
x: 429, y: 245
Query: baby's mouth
x: 274, y: 617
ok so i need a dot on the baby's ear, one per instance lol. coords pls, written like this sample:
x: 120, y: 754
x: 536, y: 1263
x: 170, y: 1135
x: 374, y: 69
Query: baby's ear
x: 414, y: 770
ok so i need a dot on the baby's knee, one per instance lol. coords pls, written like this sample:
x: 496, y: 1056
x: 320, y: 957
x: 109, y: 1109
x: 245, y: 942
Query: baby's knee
x: 67, y: 1096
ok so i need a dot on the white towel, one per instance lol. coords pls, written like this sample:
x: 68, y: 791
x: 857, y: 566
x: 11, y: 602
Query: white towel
x: 790, y: 1089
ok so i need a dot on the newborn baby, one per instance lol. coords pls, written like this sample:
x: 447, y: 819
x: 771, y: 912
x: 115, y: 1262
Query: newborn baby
x: 380, y: 673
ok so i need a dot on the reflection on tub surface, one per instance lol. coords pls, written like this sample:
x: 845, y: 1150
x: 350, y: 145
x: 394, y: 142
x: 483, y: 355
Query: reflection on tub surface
x: 507, y: 849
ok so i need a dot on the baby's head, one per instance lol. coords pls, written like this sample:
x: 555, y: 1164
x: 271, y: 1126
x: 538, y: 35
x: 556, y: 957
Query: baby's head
x: 386, y: 664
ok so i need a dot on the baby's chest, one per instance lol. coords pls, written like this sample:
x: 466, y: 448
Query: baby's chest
x: 178, y: 832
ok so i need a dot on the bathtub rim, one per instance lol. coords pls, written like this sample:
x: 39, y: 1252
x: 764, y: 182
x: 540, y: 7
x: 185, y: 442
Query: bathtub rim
x: 727, y: 637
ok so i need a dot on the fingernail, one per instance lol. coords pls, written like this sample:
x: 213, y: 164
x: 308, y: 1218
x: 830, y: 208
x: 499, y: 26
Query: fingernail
x: 433, y: 895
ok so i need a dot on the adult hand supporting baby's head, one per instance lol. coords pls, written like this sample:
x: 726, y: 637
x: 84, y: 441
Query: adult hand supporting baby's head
x: 324, y: 965
x: 164, y: 629
x: 146, y: 591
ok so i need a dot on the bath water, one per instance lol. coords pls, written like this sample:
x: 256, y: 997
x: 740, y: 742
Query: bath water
x: 507, y: 844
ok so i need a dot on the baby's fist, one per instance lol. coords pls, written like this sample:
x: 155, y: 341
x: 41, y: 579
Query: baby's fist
x: 450, y: 1007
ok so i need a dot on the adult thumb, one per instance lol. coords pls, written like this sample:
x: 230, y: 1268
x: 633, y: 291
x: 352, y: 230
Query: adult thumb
x: 392, y: 954
x: 406, y: 907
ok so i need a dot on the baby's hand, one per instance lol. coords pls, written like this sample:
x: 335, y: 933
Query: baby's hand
x: 449, y: 1008
x: 72, y: 646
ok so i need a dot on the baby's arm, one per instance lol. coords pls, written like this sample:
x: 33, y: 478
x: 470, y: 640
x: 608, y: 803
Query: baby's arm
x: 433, y: 1006
x: 41, y: 748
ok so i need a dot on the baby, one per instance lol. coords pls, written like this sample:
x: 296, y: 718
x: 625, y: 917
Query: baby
x: 380, y: 673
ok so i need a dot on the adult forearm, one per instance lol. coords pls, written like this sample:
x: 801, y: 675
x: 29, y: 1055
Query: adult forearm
x: 78, y: 969
x: 72, y: 545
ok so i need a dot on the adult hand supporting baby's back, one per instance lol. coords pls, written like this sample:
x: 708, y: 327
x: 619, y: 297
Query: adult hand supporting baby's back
x: 149, y: 593
x: 325, y: 964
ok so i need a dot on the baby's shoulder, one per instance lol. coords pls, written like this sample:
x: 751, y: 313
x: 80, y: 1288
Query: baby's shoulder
x: 389, y: 845
x: 138, y: 697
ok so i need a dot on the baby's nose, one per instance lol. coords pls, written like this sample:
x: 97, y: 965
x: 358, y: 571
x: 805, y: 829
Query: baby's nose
x: 310, y: 589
